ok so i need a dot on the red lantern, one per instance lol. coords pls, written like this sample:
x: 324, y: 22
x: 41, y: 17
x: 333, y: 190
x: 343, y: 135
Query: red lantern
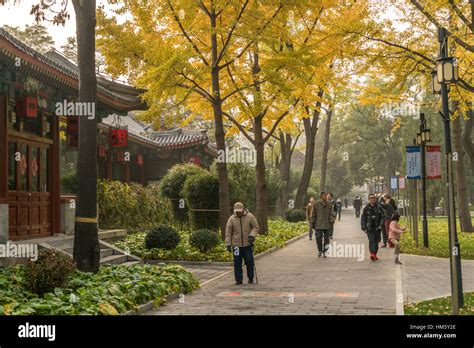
x: 26, y: 107
x: 195, y: 160
x: 118, y: 137
x: 72, y: 132
x: 140, y: 160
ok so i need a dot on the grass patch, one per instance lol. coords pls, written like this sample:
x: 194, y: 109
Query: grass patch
x: 438, y: 240
x: 279, y: 232
x: 113, y: 290
x: 440, y: 306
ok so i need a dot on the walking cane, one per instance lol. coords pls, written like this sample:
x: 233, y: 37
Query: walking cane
x: 255, y: 268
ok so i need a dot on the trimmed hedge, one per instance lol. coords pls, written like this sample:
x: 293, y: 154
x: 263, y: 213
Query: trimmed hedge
x: 295, y: 215
x: 131, y: 205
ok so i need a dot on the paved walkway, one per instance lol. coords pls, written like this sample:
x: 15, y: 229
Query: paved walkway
x: 294, y: 280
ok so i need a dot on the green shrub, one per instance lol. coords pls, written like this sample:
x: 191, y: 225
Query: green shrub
x: 204, y: 240
x: 172, y: 184
x: 162, y: 237
x: 69, y: 184
x: 295, y: 215
x: 51, y: 270
x: 131, y: 205
x: 202, y: 192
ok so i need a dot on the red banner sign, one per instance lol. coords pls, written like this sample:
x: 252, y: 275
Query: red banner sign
x: 433, y: 162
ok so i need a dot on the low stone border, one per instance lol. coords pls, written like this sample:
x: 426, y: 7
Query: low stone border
x: 224, y: 263
x: 149, y: 305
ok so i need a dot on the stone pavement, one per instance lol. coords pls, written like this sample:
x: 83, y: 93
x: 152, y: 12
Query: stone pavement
x: 294, y: 281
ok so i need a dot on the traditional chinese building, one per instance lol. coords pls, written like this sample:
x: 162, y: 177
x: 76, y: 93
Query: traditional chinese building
x: 38, y: 148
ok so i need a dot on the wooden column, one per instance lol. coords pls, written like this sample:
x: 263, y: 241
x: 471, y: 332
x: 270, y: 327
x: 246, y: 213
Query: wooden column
x: 3, y: 150
x: 55, y: 178
x: 108, y: 170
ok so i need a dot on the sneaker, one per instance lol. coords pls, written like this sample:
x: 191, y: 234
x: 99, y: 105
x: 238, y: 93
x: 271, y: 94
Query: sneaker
x: 372, y: 256
x: 383, y: 246
x: 238, y: 283
x: 376, y: 258
x: 324, y: 255
x: 398, y: 262
x: 250, y: 281
x: 319, y: 254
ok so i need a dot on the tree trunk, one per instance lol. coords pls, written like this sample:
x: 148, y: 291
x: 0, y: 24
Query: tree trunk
x: 261, y: 186
x: 224, y: 199
x: 324, y: 161
x: 310, y: 129
x: 285, y: 145
x: 461, y: 185
x: 86, y: 240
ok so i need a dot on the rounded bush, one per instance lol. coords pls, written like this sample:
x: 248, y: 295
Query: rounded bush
x: 162, y: 237
x: 51, y: 270
x: 204, y: 240
x: 295, y: 215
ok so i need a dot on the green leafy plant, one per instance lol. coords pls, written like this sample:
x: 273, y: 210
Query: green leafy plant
x: 204, y: 240
x: 162, y: 237
x: 115, y: 289
x: 295, y: 215
x: 51, y: 270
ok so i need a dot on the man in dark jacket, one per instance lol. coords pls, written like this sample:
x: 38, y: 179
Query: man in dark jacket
x: 320, y: 219
x: 357, y: 205
x: 371, y: 223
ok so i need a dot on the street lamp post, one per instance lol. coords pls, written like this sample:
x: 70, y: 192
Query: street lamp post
x: 447, y: 73
x: 421, y: 139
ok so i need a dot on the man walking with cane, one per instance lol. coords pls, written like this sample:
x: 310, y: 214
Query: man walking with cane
x: 240, y: 234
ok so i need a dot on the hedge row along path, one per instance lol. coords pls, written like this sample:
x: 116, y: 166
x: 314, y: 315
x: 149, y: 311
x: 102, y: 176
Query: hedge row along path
x: 293, y: 280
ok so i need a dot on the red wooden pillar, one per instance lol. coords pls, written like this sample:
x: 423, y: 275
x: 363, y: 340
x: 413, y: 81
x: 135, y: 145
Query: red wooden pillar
x: 55, y: 178
x: 4, y: 212
x: 108, y: 168
x: 127, y: 172
x: 3, y: 150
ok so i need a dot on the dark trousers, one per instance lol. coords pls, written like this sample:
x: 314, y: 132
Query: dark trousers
x: 357, y: 212
x: 245, y: 253
x: 374, y: 240
x: 331, y: 230
x: 385, y: 232
x: 310, y: 230
x: 320, y: 236
x: 339, y: 214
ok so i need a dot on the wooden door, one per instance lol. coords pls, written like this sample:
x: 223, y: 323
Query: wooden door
x: 29, y: 183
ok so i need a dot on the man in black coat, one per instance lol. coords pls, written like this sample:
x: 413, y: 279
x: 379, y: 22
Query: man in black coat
x: 371, y: 223
x: 357, y: 205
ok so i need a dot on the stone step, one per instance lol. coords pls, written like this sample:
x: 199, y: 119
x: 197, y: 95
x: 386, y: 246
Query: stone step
x: 112, y: 234
x: 131, y: 263
x: 113, y: 259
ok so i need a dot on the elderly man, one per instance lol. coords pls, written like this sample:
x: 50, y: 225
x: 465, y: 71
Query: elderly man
x: 320, y: 219
x: 240, y: 234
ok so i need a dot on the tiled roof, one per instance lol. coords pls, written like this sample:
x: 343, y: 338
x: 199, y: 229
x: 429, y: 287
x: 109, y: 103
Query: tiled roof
x: 61, y: 64
x: 178, y: 138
